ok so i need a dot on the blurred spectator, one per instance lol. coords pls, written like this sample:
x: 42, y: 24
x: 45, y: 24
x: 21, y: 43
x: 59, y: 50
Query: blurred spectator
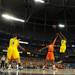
x: 3, y: 58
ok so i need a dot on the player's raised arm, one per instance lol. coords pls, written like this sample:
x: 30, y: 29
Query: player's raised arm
x: 60, y: 36
x: 55, y: 39
x: 63, y: 36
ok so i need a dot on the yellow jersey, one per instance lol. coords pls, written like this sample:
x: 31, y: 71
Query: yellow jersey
x: 63, y: 46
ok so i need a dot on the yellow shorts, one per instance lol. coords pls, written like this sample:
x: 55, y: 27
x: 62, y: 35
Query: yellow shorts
x: 13, y: 53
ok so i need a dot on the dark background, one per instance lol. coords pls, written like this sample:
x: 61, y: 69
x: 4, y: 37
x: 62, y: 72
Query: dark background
x: 41, y: 23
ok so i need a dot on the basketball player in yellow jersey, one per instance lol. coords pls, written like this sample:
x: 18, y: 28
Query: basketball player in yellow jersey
x: 10, y: 51
x: 16, y: 52
x: 13, y: 53
x: 62, y: 47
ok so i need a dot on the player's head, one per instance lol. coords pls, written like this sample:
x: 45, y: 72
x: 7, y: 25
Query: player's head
x: 16, y: 35
x: 63, y: 41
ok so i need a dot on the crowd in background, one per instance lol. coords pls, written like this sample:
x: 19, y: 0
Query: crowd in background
x: 32, y: 63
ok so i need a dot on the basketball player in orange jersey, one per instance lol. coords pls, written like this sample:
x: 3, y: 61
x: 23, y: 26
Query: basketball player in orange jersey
x: 50, y: 54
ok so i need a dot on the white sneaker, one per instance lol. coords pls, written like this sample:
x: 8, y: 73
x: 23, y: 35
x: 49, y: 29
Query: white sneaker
x: 9, y: 67
x: 59, y: 61
x: 21, y: 67
x: 43, y: 67
x: 17, y: 67
x: 54, y: 67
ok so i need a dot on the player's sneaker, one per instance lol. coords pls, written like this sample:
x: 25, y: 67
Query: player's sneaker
x: 9, y: 68
x: 60, y: 61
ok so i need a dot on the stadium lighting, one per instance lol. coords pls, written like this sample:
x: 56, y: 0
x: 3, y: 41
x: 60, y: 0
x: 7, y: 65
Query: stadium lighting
x: 39, y: 1
x: 61, y: 25
x: 9, y: 17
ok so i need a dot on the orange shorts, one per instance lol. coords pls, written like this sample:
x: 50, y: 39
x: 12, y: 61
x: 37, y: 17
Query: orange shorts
x: 50, y: 56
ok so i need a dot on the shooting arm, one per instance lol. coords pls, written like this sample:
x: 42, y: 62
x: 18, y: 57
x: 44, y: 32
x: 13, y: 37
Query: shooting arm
x: 55, y: 40
x: 63, y: 36
x: 60, y: 36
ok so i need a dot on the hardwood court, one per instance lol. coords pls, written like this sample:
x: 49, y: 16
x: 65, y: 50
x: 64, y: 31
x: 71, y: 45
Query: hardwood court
x: 37, y: 72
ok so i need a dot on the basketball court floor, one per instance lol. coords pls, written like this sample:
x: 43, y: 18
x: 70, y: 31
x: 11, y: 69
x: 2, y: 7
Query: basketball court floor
x: 37, y: 72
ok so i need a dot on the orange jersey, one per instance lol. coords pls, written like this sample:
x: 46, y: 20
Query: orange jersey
x: 50, y: 54
x: 51, y: 48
